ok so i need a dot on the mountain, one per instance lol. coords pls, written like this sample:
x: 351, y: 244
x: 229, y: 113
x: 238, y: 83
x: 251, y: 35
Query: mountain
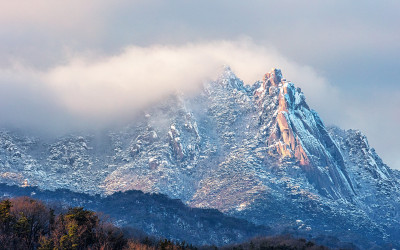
x: 254, y: 152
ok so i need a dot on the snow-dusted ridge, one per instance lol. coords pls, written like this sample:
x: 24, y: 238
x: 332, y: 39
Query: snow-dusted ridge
x: 257, y: 152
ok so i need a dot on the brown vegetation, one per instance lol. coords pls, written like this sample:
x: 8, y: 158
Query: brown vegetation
x: 26, y: 223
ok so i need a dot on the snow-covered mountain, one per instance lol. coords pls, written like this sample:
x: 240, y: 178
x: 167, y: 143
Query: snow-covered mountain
x: 256, y: 152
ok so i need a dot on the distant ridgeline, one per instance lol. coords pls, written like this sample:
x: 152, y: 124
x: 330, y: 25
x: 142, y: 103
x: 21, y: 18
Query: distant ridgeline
x: 153, y: 214
x: 27, y: 223
x: 154, y: 221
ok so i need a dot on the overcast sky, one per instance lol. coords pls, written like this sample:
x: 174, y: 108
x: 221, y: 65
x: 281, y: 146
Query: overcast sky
x: 60, y: 61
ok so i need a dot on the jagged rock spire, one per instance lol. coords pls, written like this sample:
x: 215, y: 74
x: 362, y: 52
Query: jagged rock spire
x: 273, y: 78
x: 297, y: 132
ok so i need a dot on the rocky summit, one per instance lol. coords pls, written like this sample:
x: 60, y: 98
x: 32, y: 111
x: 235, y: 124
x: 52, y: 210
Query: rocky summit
x: 257, y: 152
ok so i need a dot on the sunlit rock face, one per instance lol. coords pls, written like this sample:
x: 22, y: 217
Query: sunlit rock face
x: 297, y: 133
x: 257, y: 152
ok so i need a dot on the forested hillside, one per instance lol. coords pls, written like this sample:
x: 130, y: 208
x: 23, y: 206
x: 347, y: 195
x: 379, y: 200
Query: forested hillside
x: 26, y: 223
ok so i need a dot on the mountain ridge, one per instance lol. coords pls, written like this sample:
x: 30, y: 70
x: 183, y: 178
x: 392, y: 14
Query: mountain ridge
x: 244, y: 150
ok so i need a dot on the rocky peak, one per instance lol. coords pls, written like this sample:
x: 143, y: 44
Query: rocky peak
x: 272, y: 78
x: 274, y: 85
x: 279, y: 100
x: 296, y: 133
x: 268, y: 87
x: 229, y: 79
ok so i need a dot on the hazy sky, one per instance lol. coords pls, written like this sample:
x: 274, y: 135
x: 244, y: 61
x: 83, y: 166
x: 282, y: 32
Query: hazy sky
x: 95, y: 59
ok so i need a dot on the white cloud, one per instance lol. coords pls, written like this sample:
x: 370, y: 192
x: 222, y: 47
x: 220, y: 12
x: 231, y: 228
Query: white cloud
x: 141, y: 75
x: 109, y: 86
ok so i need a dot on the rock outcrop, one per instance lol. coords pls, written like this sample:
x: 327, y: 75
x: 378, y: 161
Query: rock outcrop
x: 295, y: 132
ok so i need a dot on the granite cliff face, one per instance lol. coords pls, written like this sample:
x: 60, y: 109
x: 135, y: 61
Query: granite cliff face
x: 256, y: 152
x: 296, y: 132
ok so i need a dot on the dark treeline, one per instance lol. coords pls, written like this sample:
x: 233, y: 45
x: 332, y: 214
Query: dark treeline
x: 169, y: 218
x: 284, y: 242
x: 26, y: 223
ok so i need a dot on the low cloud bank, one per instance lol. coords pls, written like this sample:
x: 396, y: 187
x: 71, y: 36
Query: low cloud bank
x: 99, y: 88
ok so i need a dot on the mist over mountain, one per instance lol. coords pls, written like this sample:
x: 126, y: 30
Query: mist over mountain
x: 256, y: 152
x: 93, y: 92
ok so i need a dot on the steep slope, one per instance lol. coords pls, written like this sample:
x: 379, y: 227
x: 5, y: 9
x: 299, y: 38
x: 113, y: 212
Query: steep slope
x: 294, y: 131
x: 256, y: 152
x: 376, y: 185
